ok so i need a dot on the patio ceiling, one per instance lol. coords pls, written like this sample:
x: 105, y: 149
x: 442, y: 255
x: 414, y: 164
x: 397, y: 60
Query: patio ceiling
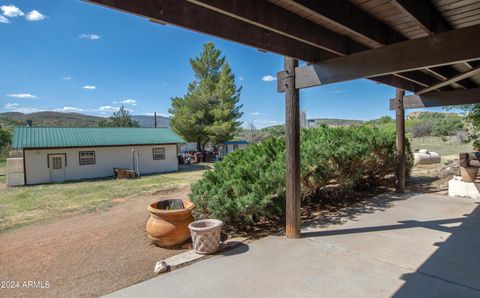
x: 334, y: 34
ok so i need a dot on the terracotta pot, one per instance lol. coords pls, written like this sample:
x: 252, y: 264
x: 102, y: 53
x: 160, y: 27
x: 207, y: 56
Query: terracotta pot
x: 169, y: 228
x: 469, y: 174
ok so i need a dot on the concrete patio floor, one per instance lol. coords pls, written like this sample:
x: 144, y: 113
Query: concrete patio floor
x: 420, y: 245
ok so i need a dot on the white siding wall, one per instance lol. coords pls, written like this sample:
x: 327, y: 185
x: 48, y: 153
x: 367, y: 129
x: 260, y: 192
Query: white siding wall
x: 225, y: 149
x: 106, y: 158
x: 240, y: 146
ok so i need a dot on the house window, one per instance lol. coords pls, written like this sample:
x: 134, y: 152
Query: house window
x: 57, y: 163
x: 87, y: 158
x: 158, y: 153
x: 235, y: 147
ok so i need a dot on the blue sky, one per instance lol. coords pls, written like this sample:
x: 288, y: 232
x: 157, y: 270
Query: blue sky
x: 72, y: 56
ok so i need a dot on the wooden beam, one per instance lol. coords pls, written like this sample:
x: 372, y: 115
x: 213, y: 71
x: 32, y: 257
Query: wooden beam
x: 441, y: 49
x: 190, y: 16
x: 400, y: 144
x: 440, y: 99
x: 354, y: 20
x: 424, y: 14
x: 292, y: 150
x: 269, y: 16
x: 427, y: 17
x: 350, y: 18
x: 459, y: 77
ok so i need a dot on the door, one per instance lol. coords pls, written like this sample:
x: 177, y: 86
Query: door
x: 57, y: 167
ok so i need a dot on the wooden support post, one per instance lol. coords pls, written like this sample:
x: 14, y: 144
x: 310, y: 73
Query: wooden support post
x: 400, y: 120
x: 292, y: 150
x: 463, y: 160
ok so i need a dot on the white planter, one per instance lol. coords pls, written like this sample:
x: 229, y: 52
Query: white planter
x: 206, y: 235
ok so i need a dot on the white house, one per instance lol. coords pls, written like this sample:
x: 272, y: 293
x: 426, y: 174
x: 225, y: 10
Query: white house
x: 63, y: 154
x: 230, y: 146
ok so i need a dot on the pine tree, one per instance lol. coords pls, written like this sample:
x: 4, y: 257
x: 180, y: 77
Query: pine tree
x: 209, y: 112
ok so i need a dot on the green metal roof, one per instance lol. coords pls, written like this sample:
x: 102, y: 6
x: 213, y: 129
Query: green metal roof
x: 52, y: 137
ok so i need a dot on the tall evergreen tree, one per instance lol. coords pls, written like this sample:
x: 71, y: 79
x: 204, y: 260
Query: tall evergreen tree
x: 209, y: 112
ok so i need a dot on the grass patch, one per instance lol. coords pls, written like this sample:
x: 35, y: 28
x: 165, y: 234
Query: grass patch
x: 443, y: 148
x: 21, y: 206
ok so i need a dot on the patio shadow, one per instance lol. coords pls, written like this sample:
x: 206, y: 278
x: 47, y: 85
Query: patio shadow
x: 371, y: 205
x: 455, y: 262
x: 453, y: 270
x: 239, y: 248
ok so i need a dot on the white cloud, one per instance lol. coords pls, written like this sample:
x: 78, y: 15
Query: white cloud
x: 69, y: 109
x: 108, y: 109
x: 22, y: 95
x: 15, y: 107
x: 89, y: 87
x: 129, y: 101
x: 4, y: 20
x: 11, y: 106
x: 35, y: 16
x: 257, y: 114
x: 11, y: 11
x: 67, y: 78
x: 89, y: 36
x: 269, y: 78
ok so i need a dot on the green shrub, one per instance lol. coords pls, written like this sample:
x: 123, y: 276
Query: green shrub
x: 250, y: 184
x: 246, y: 185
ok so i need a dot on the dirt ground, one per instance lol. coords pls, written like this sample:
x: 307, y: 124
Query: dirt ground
x: 434, y: 178
x: 84, y: 255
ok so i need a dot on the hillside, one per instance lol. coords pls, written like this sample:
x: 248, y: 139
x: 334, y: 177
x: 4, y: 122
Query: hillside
x: 334, y: 122
x: 48, y: 119
x: 316, y: 122
x: 57, y: 119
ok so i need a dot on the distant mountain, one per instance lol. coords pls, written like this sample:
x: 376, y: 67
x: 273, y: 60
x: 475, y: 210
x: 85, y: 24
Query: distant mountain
x: 148, y: 121
x: 333, y: 122
x: 49, y: 119
x: 57, y: 119
x: 318, y: 121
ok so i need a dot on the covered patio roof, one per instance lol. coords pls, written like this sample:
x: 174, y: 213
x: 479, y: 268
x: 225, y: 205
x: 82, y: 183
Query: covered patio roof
x: 345, y: 40
x: 428, y: 47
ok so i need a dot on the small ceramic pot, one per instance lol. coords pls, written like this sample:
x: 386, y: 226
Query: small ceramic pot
x: 206, y: 235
